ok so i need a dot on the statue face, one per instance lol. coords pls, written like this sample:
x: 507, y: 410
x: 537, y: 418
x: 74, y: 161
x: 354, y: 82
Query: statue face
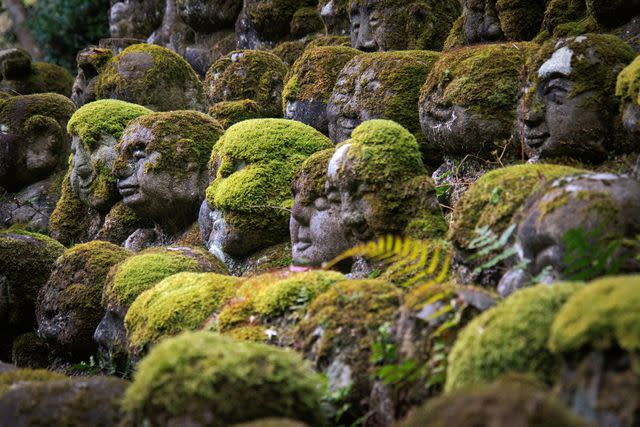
x: 155, y: 193
x: 557, y: 123
x: 335, y: 16
x: 91, y: 176
x: 309, y: 112
x: 369, y: 25
x: 347, y: 107
x: 481, y: 23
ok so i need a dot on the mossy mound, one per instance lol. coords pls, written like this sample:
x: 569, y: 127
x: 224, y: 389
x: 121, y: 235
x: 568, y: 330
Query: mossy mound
x: 68, y: 306
x: 348, y: 317
x: 520, y: 20
x: 505, y: 403
x: 272, y: 18
x: 248, y: 74
x: 228, y: 113
x: 509, y: 338
x: 271, y: 150
x: 628, y: 84
x: 153, y: 76
x: 144, y: 270
x: 315, y: 73
x: 30, y: 351
x: 289, y: 51
x: 70, y: 220
x: 70, y: 402
x: 26, y: 260
x: 205, y: 378
x: 305, y: 21
x: 105, y: 117
x: 48, y: 78
x: 601, y: 315
x: 22, y: 114
x: 178, y: 303
x: 564, y: 18
x: 7, y: 379
x: 494, y: 198
x: 329, y: 41
x: 309, y: 183
x: 484, y: 79
x: 180, y: 137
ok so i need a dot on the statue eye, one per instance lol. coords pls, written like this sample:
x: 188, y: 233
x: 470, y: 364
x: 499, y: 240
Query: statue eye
x: 321, y: 203
x: 139, y: 154
x: 556, y: 90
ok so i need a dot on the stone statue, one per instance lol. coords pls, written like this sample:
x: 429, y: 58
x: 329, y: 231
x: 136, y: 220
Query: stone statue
x: 568, y: 106
x: 335, y: 15
x: 135, y: 18
x: 161, y: 171
x: 628, y: 90
x: 19, y: 75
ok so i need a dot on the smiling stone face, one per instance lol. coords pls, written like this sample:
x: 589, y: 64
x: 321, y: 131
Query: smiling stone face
x: 568, y: 107
x: 254, y: 164
x: 162, y: 165
x: 468, y: 103
x: 383, y: 25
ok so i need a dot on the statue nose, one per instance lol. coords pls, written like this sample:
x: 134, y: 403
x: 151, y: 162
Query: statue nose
x: 84, y: 172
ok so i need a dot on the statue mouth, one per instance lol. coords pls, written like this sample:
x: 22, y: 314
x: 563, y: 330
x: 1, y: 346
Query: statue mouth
x: 127, y: 190
x: 535, y: 139
x: 439, y: 113
x: 302, y: 246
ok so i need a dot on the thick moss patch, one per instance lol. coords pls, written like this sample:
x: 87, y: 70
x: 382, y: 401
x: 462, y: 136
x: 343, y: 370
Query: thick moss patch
x: 628, y: 84
x: 228, y: 113
x: 31, y: 375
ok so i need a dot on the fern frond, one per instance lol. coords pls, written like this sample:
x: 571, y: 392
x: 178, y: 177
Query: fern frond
x: 405, y: 260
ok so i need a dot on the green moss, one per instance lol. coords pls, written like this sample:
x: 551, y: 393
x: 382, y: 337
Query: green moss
x: 293, y: 292
x: 484, y: 79
x: 228, y: 113
x: 494, y: 198
x: 16, y: 111
x: 26, y: 261
x: 507, y: 402
x: 23, y: 375
x: 428, y: 226
x: 628, y: 84
x: 252, y: 333
x: 601, y: 315
x: 255, y: 162
x: 208, y: 377
x: 48, y: 78
x: 315, y: 73
x: 520, y: 19
x: 178, y: 303
x: 248, y: 74
x: 152, y: 76
x: 104, y: 117
x: 349, y: 315
x: 236, y: 313
x: 30, y: 351
x: 510, y: 337
x: 180, y: 137
x: 329, y: 41
x: 310, y: 180
x: 305, y: 21
x: 271, y: 18
x: 265, y: 260
x: 69, y: 220
x: 401, y: 74
x: 455, y: 39
x: 560, y: 12
x: 289, y: 51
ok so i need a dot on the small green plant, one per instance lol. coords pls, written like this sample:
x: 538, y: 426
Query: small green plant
x: 339, y: 406
x: 589, y: 254
x: 491, y: 249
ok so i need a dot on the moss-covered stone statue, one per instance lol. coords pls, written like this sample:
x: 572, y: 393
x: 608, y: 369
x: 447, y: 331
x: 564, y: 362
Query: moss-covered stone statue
x: 382, y: 25
x: 68, y: 306
x: 599, y: 208
x: 26, y: 260
x: 135, y: 19
x: 628, y: 90
x: 254, y: 164
x: 248, y: 75
x: 263, y: 23
x: 511, y: 400
x: 596, y: 334
x: 91, y: 61
x: 568, y: 106
x: 380, y: 185
x: 335, y: 15
x: 169, y: 385
x: 161, y: 172
x: 90, y: 206
x: 129, y: 279
x: 152, y: 76
x: 310, y: 83
x: 19, y: 75
x: 381, y: 85
x: 469, y: 100
x: 34, y: 148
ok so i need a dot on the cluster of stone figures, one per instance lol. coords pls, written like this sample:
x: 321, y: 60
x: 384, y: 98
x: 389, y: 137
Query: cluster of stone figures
x: 166, y: 216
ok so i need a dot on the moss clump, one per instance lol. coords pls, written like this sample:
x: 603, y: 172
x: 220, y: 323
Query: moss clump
x: 349, y: 315
x: 152, y: 76
x: 305, y: 21
x: 68, y: 307
x: 601, y: 315
x: 255, y: 162
x: 205, y: 377
x: 26, y: 261
x: 252, y: 333
x: 272, y: 18
x: 228, y: 113
x: 520, y: 19
x: 628, y: 84
x: 401, y: 74
x: 104, y: 117
x: 178, y: 303
x: 315, y: 73
x: 180, y: 137
x: 248, y: 74
x: 16, y: 112
x: 329, y: 41
x: 484, y: 79
x: 494, y: 198
x: 563, y: 13
x: 30, y: 351
x: 510, y: 337
x: 48, y: 78
x: 7, y: 379
x: 70, y: 218
x: 289, y: 51
x: 310, y: 180
x: 507, y: 402
x: 300, y: 289
x: 145, y: 269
